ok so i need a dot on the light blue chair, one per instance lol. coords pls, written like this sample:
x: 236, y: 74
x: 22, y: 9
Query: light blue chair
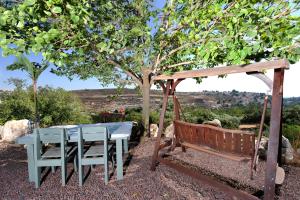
x: 55, y: 153
x: 96, y: 153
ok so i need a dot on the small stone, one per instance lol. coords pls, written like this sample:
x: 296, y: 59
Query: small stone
x: 153, y: 130
x: 280, y: 175
x: 169, y: 132
x: 214, y: 122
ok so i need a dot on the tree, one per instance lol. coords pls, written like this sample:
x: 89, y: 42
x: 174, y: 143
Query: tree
x: 34, y: 70
x: 113, y: 40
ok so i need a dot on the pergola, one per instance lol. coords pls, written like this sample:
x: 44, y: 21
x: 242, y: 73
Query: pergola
x: 169, y: 84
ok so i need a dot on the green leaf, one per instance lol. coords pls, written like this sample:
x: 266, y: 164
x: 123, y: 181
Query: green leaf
x: 47, y: 13
x: 29, y: 2
x: 56, y: 10
x: 75, y: 18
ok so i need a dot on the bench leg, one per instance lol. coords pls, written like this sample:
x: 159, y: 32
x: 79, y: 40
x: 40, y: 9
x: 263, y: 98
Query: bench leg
x: 37, y: 177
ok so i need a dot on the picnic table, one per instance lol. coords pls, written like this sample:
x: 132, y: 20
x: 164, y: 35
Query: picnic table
x: 118, y: 131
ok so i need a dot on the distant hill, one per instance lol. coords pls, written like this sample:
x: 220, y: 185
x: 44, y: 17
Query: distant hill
x: 110, y: 100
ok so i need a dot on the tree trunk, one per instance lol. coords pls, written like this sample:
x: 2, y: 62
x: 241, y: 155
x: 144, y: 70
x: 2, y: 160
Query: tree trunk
x: 146, y: 100
x: 36, y: 123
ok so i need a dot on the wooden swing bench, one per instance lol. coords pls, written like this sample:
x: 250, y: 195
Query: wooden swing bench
x: 236, y: 145
x: 232, y: 144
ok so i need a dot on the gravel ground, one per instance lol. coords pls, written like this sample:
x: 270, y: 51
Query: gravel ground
x: 139, y: 182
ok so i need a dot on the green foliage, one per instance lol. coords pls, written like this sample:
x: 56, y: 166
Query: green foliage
x: 33, y: 69
x: 292, y: 132
x: 134, y: 114
x: 57, y: 107
x: 291, y: 115
x: 200, y: 115
x: 106, y: 38
x: 15, y: 105
x: 60, y: 107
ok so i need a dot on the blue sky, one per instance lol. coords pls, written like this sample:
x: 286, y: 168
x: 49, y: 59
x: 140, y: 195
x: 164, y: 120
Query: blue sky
x: 246, y: 83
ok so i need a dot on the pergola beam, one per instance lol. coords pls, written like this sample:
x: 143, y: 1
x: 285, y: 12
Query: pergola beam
x: 218, y: 71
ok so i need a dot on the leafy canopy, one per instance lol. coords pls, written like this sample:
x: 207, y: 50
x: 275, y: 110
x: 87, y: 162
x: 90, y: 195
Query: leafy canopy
x: 113, y: 40
x: 33, y: 69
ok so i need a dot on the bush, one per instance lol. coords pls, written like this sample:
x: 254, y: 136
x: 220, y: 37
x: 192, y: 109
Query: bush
x: 15, y: 105
x: 292, y: 132
x: 133, y: 114
x: 56, y: 106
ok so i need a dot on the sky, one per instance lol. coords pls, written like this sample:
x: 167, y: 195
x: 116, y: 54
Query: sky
x: 239, y: 82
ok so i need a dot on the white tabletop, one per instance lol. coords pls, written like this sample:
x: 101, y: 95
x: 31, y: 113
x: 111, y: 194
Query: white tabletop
x: 115, y: 129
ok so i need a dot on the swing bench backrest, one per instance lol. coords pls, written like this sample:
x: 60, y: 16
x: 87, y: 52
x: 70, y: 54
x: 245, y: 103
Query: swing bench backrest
x: 232, y: 144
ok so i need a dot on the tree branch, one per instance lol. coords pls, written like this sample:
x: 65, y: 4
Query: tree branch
x: 127, y: 72
x: 177, y: 64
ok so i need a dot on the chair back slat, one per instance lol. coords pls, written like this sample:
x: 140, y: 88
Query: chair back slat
x: 94, y: 133
x: 50, y: 135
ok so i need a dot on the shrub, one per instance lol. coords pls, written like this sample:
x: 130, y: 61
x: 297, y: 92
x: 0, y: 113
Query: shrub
x: 56, y: 107
x: 292, y: 132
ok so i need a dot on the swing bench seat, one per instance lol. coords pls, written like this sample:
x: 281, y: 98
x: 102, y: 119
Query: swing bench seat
x: 235, y: 145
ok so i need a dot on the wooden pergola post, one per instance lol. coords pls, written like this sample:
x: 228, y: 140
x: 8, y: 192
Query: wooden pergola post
x: 275, y: 134
x: 161, y: 123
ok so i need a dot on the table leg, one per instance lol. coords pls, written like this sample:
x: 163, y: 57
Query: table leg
x: 119, y: 159
x: 30, y: 157
x: 125, y: 147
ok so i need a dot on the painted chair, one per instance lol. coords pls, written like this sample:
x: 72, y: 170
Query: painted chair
x: 55, y: 154
x: 96, y: 152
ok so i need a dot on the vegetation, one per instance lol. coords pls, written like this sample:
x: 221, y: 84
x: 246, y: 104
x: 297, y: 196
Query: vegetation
x: 34, y: 70
x: 56, y: 106
x: 121, y: 41
x: 231, y: 117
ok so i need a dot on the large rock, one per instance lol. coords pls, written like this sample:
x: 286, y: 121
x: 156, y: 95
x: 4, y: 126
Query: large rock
x: 153, y: 130
x: 169, y: 132
x: 14, y: 129
x: 263, y: 146
x: 287, y: 149
x: 214, y: 122
x: 1, y: 129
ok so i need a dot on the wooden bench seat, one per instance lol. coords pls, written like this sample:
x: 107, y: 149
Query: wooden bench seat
x: 232, y: 144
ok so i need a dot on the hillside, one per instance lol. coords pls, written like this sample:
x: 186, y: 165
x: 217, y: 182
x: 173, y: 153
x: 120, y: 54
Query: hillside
x: 109, y: 100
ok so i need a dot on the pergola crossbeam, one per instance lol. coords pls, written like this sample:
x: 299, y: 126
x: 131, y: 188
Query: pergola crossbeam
x: 218, y: 71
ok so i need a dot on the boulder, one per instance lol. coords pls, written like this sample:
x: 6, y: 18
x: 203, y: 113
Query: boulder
x: 263, y: 146
x: 153, y: 130
x: 1, y: 129
x: 287, y: 150
x: 169, y: 132
x: 298, y: 151
x: 214, y: 122
x: 14, y: 129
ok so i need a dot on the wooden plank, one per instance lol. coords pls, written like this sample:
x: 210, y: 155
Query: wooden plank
x: 247, y: 145
x: 255, y: 67
x: 208, y: 180
x: 228, y: 142
x: 160, y: 128
x: 200, y: 136
x: 216, y: 153
x: 237, y: 143
x: 220, y: 141
x: 275, y: 125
